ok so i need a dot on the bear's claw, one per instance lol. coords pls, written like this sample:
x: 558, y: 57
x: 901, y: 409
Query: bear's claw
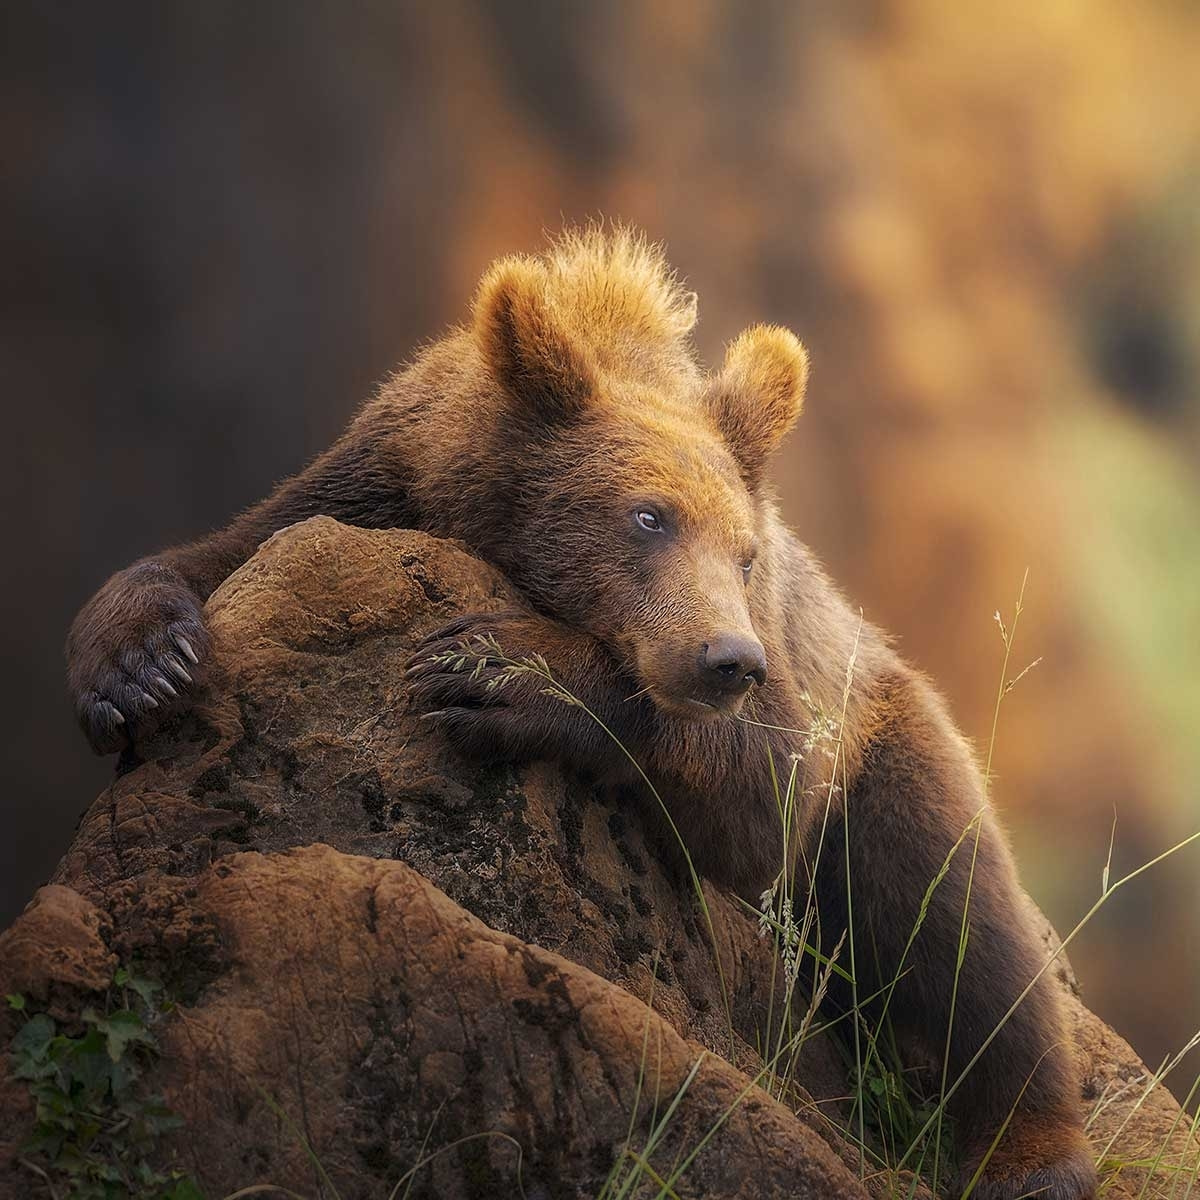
x: 186, y: 647
x: 172, y: 663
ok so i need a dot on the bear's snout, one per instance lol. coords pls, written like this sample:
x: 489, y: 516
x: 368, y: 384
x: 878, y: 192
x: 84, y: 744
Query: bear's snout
x: 733, y: 662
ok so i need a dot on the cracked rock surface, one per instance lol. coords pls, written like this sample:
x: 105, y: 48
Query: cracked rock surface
x: 395, y: 949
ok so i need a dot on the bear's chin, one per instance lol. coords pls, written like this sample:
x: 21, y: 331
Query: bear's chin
x: 688, y: 708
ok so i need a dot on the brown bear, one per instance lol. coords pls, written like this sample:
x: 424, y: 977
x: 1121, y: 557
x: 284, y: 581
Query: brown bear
x: 569, y: 436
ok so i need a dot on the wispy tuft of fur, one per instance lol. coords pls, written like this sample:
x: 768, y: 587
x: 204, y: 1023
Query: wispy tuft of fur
x: 616, y: 278
x: 606, y: 290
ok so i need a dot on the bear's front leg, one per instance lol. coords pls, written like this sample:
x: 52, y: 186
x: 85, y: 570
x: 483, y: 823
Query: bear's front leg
x: 514, y: 685
x: 1006, y: 1048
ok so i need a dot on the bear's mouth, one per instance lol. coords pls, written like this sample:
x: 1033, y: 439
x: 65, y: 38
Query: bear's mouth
x: 693, y: 708
x: 675, y: 690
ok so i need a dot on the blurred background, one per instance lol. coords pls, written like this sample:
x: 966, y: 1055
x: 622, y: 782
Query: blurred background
x: 223, y: 222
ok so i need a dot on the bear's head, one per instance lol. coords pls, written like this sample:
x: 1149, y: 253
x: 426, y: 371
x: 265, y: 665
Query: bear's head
x: 635, y: 487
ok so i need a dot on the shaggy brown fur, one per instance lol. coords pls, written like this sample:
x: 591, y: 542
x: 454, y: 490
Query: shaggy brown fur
x: 569, y: 436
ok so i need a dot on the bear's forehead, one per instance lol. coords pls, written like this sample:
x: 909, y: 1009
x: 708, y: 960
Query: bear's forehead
x: 688, y: 466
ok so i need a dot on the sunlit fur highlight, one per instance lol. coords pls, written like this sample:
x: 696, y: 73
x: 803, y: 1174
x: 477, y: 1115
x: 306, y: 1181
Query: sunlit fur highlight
x: 768, y: 364
x: 605, y: 298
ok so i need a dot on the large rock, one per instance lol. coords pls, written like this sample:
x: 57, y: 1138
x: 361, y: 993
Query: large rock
x: 394, y: 949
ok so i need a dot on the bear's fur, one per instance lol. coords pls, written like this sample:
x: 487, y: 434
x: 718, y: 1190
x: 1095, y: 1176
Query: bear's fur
x: 568, y: 435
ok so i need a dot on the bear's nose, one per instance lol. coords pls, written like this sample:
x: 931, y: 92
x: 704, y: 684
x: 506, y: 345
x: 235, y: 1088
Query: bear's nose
x: 731, y: 662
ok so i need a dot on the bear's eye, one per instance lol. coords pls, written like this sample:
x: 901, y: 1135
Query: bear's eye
x: 747, y: 567
x: 649, y: 520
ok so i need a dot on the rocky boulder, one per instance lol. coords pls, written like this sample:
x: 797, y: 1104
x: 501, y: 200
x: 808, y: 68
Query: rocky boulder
x: 379, y: 953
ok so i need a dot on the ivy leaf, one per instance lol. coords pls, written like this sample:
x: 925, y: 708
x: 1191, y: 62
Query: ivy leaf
x: 122, y: 1029
x: 45, y: 1140
x: 32, y: 1043
x: 88, y: 1060
x: 145, y: 988
x: 16, y: 1000
x: 123, y: 1075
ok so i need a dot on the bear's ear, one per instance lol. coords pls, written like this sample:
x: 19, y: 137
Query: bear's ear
x: 758, y: 395
x: 532, y: 357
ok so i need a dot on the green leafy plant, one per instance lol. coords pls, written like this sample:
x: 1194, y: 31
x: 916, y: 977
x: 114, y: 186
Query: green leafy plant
x: 96, y: 1128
